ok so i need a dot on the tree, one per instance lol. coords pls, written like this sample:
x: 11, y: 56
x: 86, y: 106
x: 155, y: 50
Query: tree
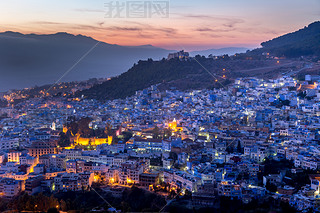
x: 285, y: 102
x: 156, y: 132
x: 84, y: 129
x: 64, y: 140
x: 239, y: 148
x: 302, y: 94
x: 229, y: 149
x: 273, y: 167
x: 108, y: 130
x: 126, y: 136
x: 73, y: 127
x: 173, y: 156
x: 271, y: 187
x: 167, y: 133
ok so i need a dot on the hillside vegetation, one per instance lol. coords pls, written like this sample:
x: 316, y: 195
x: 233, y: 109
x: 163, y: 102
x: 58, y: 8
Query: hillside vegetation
x: 183, y: 75
x: 303, y: 42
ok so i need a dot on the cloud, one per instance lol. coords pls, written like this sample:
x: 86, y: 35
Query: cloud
x: 208, y: 29
x: 261, y: 30
x: 115, y: 28
x: 229, y: 19
x: 62, y: 26
x: 272, y: 32
x: 215, y: 24
x: 211, y: 35
x: 85, y: 27
x: 146, y: 35
x: 204, y: 29
x: 144, y: 30
x: 233, y: 22
x: 47, y: 23
x: 196, y: 16
x: 129, y: 30
x: 89, y: 10
x: 100, y: 23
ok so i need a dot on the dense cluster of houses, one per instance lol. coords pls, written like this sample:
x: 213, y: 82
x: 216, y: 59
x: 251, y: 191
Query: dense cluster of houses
x: 216, y: 144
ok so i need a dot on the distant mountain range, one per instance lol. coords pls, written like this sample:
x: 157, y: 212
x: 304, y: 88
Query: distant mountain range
x: 29, y: 60
x: 219, y: 52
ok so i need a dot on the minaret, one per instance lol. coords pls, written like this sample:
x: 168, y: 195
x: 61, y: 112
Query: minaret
x: 53, y: 126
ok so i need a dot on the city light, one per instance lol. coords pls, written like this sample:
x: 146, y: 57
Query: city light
x: 112, y: 115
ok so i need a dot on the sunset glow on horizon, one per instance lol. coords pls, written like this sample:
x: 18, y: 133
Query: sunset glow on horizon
x: 191, y: 25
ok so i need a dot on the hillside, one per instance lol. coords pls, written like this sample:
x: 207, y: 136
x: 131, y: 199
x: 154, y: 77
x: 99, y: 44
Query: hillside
x: 303, y: 42
x: 182, y: 75
x: 189, y: 74
x: 29, y: 60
